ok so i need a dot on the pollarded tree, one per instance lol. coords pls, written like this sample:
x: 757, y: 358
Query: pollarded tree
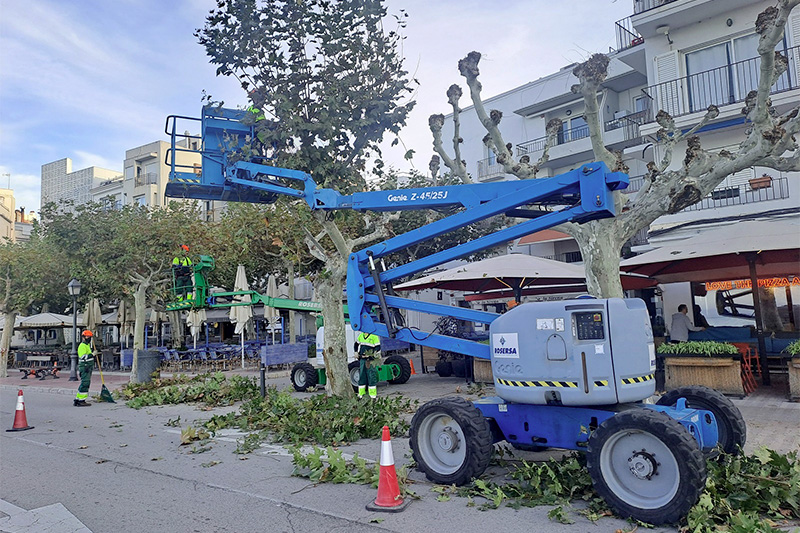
x: 769, y: 142
x: 327, y: 82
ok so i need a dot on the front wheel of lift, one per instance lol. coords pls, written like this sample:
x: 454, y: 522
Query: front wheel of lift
x: 451, y: 441
x: 646, y: 466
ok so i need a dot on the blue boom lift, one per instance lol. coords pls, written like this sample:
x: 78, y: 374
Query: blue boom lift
x: 572, y: 374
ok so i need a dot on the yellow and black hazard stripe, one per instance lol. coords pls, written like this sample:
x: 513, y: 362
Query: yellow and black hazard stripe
x: 601, y: 383
x: 185, y: 180
x: 639, y: 379
x: 538, y: 383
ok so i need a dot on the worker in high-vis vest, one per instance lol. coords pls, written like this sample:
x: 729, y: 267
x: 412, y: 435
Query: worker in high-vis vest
x: 85, y: 367
x: 182, y: 267
x: 368, y: 348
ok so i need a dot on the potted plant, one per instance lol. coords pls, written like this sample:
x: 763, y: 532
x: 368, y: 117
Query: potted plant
x: 793, y: 365
x: 709, y: 363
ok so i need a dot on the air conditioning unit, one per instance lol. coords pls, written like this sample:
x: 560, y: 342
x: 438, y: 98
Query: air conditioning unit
x: 621, y: 113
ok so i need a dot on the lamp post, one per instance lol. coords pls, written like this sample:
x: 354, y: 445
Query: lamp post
x: 74, y: 288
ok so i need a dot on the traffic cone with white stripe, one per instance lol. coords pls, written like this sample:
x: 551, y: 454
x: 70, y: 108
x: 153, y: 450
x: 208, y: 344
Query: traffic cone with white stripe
x: 388, y: 499
x: 20, y: 420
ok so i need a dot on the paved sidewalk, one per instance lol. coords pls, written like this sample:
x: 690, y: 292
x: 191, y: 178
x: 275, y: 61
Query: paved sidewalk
x: 771, y: 419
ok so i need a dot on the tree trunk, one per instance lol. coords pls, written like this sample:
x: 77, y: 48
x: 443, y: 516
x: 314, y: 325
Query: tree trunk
x: 334, y: 351
x: 140, y: 306
x: 5, y: 342
x: 769, y: 310
x: 292, y: 314
x: 601, y: 252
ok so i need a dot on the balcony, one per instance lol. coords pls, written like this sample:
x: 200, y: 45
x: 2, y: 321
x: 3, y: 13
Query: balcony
x: 150, y: 178
x: 568, y: 257
x: 563, y: 137
x: 640, y: 6
x: 627, y: 36
x: 490, y: 170
x: 742, y: 194
x: 721, y: 86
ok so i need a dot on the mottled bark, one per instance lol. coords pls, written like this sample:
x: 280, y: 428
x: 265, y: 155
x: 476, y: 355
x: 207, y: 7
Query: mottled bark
x: 770, y: 317
x: 140, y: 308
x: 5, y: 341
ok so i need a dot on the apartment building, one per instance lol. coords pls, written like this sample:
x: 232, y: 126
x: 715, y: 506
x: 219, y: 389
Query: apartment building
x: 7, y: 216
x: 676, y: 55
x: 147, y: 173
x: 61, y: 184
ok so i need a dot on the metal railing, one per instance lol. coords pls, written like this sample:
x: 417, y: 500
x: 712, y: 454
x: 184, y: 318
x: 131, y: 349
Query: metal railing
x: 568, y: 257
x: 149, y: 178
x: 743, y: 194
x: 721, y: 86
x: 627, y: 36
x: 640, y: 6
x: 563, y: 137
x: 634, y: 184
x: 489, y: 168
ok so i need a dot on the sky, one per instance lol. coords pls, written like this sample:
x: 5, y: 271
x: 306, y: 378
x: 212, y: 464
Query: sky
x: 89, y: 79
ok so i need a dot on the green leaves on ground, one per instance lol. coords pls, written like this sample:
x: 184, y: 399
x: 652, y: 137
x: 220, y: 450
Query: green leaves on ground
x: 318, y: 419
x: 210, y: 389
x: 751, y: 493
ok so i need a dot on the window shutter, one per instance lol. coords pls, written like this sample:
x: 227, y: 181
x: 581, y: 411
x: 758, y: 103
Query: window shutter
x: 793, y: 28
x: 668, y: 89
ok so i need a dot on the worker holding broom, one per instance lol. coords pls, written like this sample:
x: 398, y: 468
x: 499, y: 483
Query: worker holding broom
x: 85, y: 367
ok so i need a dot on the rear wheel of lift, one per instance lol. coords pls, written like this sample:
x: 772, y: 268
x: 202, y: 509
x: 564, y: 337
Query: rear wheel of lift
x: 444, y: 369
x: 451, y: 441
x: 354, y: 369
x: 304, y: 377
x: 730, y: 424
x: 405, y: 368
x: 646, y: 466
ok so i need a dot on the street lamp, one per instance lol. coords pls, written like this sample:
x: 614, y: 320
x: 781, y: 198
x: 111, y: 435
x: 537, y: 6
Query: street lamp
x: 74, y: 288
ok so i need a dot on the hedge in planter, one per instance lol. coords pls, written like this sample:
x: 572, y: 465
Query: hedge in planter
x: 709, y: 363
x: 793, y: 366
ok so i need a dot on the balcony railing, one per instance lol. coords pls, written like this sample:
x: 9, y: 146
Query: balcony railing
x: 721, y: 86
x: 489, y: 168
x: 634, y: 184
x: 563, y: 137
x: 640, y: 6
x: 627, y: 37
x: 743, y: 194
x: 149, y: 178
x: 568, y: 257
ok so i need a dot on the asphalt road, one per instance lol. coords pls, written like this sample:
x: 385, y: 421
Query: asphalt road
x: 120, y: 470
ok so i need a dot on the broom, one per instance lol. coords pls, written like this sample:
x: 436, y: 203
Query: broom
x: 105, y: 394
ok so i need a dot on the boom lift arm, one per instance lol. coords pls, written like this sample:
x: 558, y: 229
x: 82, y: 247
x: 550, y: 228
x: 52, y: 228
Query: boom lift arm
x: 580, y: 195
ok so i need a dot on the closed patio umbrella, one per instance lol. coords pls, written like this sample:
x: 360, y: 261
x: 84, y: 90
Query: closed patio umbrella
x: 271, y: 314
x: 241, y: 315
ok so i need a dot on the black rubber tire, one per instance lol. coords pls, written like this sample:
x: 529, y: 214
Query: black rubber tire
x: 674, y: 458
x: 444, y: 369
x: 471, y: 432
x: 304, y: 377
x: 730, y: 423
x: 405, y: 368
x: 353, y: 369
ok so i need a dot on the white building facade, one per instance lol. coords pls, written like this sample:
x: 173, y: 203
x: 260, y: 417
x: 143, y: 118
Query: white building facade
x: 60, y: 184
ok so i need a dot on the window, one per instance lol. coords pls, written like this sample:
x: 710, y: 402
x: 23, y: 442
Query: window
x: 139, y: 200
x: 572, y: 130
x: 640, y: 103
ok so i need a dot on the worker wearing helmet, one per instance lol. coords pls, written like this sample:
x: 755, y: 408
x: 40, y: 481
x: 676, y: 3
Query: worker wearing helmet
x: 85, y: 367
x: 182, y: 270
x: 368, y: 348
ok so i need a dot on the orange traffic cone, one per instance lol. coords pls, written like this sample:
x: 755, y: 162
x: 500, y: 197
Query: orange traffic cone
x: 388, y: 499
x: 412, y: 367
x: 20, y: 421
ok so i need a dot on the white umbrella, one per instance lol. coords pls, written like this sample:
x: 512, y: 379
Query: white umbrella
x: 126, y: 317
x: 241, y: 314
x: 92, y: 318
x: 195, y: 321
x: 271, y: 314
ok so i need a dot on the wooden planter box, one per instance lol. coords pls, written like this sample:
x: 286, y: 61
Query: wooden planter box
x: 721, y: 373
x: 794, y: 379
x: 482, y: 370
x: 760, y: 183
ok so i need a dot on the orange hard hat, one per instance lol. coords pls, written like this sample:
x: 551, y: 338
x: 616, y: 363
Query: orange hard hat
x: 87, y: 333
x: 186, y: 248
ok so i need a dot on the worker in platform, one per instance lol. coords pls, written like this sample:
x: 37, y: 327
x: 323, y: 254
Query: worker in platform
x: 85, y: 367
x: 182, y: 269
x: 368, y: 348
x: 681, y: 326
